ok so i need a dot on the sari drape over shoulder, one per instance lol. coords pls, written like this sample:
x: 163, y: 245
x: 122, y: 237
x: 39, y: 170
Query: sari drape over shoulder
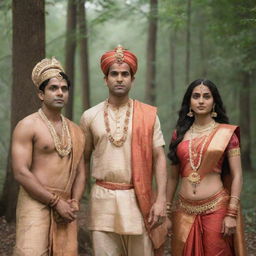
x: 37, y: 232
x: 194, y: 219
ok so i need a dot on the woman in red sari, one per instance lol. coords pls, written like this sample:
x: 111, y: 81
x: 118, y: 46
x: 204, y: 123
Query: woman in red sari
x: 205, y: 154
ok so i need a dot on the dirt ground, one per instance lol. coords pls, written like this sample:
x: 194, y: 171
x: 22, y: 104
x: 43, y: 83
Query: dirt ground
x: 7, y: 239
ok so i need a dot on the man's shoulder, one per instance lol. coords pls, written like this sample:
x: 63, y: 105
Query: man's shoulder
x: 29, y: 121
x: 90, y: 113
x: 73, y: 124
x: 28, y: 126
x: 144, y: 106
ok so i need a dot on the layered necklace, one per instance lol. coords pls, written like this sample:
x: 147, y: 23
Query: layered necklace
x: 194, y: 177
x: 121, y: 141
x: 62, y: 146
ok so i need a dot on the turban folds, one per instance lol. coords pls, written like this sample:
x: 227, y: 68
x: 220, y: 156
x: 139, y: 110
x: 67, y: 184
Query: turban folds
x: 118, y: 55
x: 46, y: 69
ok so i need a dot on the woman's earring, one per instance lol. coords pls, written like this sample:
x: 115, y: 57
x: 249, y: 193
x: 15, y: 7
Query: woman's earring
x: 190, y: 113
x: 214, y: 114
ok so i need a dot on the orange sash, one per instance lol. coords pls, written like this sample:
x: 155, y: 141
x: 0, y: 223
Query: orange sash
x: 142, y: 165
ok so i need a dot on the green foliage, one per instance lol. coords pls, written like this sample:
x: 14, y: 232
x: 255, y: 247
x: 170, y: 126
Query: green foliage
x: 248, y: 201
x: 5, y: 84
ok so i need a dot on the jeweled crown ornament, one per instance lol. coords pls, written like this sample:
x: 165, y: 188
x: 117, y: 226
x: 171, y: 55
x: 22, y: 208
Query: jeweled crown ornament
x: 119, y: 54
x: 46, y: 69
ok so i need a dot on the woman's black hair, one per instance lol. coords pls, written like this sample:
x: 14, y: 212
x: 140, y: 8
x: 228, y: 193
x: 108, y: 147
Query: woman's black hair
x: 184, y: 122
x: 44, y: 83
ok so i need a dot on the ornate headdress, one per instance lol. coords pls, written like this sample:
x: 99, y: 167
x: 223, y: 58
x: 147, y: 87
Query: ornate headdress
x: 46, y: 69
x: 118, y: 55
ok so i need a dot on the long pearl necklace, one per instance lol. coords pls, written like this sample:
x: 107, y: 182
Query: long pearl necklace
x: 62, y: 148
x: 194, y: 177
x: 121, y: 141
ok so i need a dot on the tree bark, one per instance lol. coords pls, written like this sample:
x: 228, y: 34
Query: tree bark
x: 245, y: 121
x: 202, y: 46
x: 28, y: 49
x: 173, y: 59
x: 84, y: 55
x: 70, y: 54
x: 188, y: 42
x: 151, y: 54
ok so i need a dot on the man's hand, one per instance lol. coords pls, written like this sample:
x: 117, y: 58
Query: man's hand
x: 228, y: 226
x: 74, y: 204
x: 65, y: 210
x: 157, y: 214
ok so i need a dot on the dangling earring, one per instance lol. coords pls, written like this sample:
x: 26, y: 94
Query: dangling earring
x: 190, y: 113
x: 214, y: 114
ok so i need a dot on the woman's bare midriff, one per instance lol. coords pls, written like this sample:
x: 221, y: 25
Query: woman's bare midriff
x: 209, y: 185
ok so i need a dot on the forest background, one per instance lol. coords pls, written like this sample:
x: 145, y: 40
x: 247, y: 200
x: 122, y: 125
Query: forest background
x: 176, y: 42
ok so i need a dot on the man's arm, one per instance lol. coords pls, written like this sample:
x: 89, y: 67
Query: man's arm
x: 158, y: 210
x: 79, y: 183
x: 22, y: 149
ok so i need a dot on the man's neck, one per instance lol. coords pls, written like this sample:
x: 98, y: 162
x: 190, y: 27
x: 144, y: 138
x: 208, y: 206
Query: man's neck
x: 52, y: 115
x: 118, y: 101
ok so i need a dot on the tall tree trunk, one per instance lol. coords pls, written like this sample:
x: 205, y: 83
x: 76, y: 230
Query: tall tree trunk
x: 173, y: 59
x: 28, y: 49
x: 245, y: 121
x: 188, y: 42
x: 151, y: 54
x: 70, y: 53
x: 202, y: 46
x: 84, y: 55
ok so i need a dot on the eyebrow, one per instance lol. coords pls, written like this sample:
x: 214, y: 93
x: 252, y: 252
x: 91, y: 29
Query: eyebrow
x: 200, y: 93
x: 123, y: 71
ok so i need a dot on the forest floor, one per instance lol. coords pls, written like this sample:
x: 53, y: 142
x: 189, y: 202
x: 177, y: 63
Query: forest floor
x: 7, y: 238
x: 248, y: 200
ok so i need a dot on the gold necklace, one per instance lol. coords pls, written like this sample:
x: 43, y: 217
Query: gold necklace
x: 121, y: 141
x: 61, y: 147
x: 202, y: 128
x: 194, y: 177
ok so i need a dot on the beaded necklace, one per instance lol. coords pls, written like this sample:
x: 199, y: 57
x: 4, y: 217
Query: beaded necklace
x: 62, y: 148
x: 121, y: 141
x: 194, y: 177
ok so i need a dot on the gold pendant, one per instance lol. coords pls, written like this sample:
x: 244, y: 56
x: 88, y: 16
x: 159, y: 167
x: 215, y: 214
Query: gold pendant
x: 194, y: 177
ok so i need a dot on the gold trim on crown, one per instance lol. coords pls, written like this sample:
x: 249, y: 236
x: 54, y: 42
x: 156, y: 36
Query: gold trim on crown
x: 46, y: 69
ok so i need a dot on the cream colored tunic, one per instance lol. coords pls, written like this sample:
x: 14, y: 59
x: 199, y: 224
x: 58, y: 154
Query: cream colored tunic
x: 113, y: 210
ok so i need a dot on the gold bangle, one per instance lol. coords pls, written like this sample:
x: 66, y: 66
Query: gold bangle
x: 52, y: 200
x: 235, y: 206
x: 235, y: 197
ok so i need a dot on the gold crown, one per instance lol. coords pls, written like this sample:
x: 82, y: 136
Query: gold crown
x: 46, y: 69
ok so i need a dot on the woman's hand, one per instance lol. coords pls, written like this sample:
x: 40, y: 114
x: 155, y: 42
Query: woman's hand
x: 228, y: 226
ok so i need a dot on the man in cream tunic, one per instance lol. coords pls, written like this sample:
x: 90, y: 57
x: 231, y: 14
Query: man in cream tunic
x: 115, y: 217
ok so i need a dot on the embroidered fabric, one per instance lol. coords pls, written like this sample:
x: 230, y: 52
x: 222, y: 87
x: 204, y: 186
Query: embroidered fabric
x: 233, y: 149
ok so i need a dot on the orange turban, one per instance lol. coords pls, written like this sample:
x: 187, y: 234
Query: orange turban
x: 118, y: 55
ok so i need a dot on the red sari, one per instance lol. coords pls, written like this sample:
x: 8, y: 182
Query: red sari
x: 197, y: 224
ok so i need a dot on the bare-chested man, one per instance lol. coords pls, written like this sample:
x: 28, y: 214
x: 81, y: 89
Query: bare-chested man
x: 47, y: 161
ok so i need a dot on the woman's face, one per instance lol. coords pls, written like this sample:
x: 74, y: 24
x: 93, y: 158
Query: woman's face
x: 201, y: 101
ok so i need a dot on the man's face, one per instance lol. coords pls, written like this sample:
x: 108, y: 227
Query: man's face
x: 55, y: 95
x: 119, y: 79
